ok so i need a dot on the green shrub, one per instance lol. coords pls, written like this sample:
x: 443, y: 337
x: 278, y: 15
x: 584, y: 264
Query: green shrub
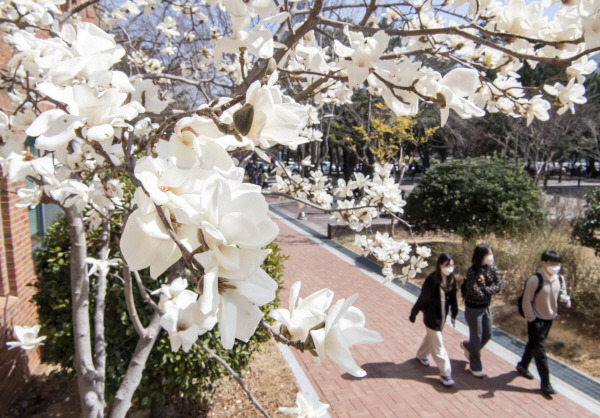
x: 476, y: 196
x: 167, y: 375
x: 586, y: 229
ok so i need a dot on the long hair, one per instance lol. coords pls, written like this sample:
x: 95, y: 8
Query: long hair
x: 478, y: 254
x: 438, y: 268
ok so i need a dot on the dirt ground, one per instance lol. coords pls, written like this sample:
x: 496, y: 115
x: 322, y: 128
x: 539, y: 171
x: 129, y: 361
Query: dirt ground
x: 270, y: 380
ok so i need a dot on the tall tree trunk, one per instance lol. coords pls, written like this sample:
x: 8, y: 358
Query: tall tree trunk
x: 91, y: 402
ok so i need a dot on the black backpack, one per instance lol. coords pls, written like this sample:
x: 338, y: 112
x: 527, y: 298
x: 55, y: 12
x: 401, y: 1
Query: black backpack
x: 537, y: 290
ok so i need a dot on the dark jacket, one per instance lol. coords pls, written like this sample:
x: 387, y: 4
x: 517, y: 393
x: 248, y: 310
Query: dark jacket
x: 430, y: 303
x: 479, y: 288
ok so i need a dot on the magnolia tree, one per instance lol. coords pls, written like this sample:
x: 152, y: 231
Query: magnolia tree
x: 173, y: 95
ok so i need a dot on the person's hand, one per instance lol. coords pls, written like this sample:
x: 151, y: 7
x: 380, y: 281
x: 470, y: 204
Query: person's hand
x: 568, y: 304
x: 412, y: 319
x: 453, y: 321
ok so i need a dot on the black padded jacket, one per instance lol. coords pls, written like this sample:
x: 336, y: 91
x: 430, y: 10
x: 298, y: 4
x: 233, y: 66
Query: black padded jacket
x: 430, y: 303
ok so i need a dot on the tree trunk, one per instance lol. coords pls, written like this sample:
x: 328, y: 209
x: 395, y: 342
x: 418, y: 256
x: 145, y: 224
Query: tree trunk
x: 91, y: 401
x: 99, y: 341
x: 133, y: 376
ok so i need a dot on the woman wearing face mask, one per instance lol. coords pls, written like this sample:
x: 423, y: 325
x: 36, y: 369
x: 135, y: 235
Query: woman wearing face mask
x: 438, y: 295
x: 481, y: 282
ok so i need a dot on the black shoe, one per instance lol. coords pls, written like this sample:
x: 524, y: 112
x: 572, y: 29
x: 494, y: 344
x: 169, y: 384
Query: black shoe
x: 548, y: 390
x: 524, y: 372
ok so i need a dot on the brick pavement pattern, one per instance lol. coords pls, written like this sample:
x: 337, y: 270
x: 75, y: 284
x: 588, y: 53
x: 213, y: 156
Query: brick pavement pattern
x: 396, y: 384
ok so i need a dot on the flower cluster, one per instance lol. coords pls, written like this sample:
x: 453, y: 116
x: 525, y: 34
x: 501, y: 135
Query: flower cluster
x: 314, y: 188
x: 195, y: 187
x: 326, y: 330
x: 380, y: 193
x: 390, y: 252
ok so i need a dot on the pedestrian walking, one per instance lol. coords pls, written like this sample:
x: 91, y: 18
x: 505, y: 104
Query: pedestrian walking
x: 544, y: 293
x: 481, y: 282
x: 438, y: 295
x: 264, y: 179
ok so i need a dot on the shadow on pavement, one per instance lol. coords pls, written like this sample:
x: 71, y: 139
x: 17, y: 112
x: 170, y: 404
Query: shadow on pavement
x: 412, y: 370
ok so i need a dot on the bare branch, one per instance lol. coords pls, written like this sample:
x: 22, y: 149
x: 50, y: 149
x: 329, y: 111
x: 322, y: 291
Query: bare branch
x: 145, y: 294
x: 133, y: 376
x: 76, y: 9
x: 299, y: 345
x: 130, y: 302
x: 223, y: 363
x: 99, y: 341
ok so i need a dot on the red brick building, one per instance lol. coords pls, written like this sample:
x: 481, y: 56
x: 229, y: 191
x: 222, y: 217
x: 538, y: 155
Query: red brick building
x: 16, y: 274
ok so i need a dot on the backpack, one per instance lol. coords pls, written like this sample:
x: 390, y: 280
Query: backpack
x: 537, y: 290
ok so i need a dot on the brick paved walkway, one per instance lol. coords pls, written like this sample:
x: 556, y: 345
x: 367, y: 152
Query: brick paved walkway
x: 396, y: 384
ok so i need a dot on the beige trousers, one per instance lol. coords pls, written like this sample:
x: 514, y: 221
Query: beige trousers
x: 434, y: 344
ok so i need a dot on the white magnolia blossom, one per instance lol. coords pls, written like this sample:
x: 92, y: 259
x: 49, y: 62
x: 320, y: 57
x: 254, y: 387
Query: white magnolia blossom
x: 100, y: 267
x: 168, y: 27
x: 567, y: 96
x: 306, y: 407
x: 344, y: 328
x: 182, y: 315
x: 145, y: 242
x: 185, y: 323
x: 274, y: 119
x: 332, y: 333
x: 362, y: 54
x: 303, y: 314
x: 27, y: 337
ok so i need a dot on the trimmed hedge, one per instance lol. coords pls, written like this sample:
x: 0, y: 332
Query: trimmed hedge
x: 476, y: 196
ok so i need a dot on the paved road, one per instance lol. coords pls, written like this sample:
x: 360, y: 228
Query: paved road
x: 396, y: 384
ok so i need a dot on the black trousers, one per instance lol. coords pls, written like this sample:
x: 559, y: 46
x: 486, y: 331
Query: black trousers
x: 537, y: 331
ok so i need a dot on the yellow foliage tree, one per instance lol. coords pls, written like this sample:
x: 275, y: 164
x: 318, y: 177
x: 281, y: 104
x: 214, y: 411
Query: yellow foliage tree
x: 389, y: 138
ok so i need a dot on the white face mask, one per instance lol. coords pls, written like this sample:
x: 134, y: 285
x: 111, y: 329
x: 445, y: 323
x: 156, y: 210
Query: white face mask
x: 448, y: 270
x: 488, y: 260
x: 553, y: 269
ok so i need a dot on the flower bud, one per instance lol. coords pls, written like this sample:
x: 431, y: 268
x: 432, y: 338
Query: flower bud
x: 243, y: 117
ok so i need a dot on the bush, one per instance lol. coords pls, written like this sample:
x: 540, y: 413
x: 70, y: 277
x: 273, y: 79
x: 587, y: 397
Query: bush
x: 586, y: 229
x: 168, y: 376
x: 476, y: 196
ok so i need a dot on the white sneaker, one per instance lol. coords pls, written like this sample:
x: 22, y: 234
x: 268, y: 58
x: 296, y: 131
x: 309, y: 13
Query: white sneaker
x: 423, y: 361
x: 447, y: 380
x: 465, y: 350
x: 476, y: 373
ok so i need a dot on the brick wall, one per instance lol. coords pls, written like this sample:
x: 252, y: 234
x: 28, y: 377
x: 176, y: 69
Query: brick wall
x: 16, y: 273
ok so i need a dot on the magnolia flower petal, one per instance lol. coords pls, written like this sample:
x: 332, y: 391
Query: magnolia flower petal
x: 238, y: 319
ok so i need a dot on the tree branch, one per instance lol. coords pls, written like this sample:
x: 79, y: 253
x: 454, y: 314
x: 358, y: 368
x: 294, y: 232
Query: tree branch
x: 76, y: 9
x: 80, y: 288
x: 133, y: 376
x: 130, y: 302
x: 299, y: 345
x: 99, y: 341
x: 223, y: 363
x: 145, y: 294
